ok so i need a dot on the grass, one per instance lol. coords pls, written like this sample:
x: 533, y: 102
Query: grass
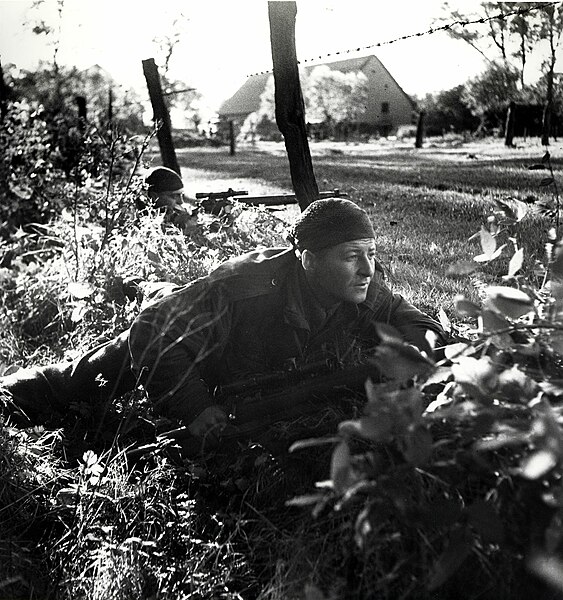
x: 110, y: 526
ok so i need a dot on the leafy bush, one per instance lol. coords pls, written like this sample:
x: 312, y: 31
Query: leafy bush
x: 457, y: 464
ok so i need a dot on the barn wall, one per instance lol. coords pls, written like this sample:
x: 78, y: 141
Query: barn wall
x: 383, y: 88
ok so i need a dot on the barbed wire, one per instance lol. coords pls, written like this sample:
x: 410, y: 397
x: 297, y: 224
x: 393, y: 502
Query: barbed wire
x: 462, y: 22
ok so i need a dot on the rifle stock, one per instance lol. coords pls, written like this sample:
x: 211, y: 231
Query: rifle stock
x: 257, y: 403
x: 257, y: 411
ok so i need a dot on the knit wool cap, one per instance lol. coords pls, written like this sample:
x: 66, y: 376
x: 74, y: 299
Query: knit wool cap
x: 163, y: 179
x: 329, y: 222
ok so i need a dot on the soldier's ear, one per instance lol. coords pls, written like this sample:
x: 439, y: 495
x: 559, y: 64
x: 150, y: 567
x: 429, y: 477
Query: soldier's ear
x: 308, y: 260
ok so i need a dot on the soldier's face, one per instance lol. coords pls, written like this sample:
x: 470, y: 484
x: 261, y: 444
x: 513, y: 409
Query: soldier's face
x: 343, y: 272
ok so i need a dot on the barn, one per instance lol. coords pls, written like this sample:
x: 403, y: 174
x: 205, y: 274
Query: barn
x: 388, y: 106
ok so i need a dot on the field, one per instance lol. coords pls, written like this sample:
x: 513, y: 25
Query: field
x: 410, y: 512
x: 425, y: 204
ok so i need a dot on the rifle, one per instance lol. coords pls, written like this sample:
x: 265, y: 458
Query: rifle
x: 257, y: 403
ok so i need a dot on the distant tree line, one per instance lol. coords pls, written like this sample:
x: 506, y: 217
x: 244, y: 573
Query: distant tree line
x: 507, y: 42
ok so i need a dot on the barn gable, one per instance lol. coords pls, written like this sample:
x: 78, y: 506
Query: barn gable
x: 388, y: 106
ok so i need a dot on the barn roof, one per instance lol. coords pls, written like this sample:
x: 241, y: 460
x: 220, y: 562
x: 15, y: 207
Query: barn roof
x: 247, y: 98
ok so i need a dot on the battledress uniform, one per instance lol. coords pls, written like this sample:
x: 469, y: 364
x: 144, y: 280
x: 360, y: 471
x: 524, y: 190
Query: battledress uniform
x: 249, y: 316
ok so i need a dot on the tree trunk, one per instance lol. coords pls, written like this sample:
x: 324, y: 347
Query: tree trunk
x: 546, y: 122
x: 110, y: 108
x: 290, y: 108
x: 161, y: 117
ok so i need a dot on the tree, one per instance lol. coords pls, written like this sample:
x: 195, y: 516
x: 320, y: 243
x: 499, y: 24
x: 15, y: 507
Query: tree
x: 551, y: 27
x: 447, y: 111
x: 524, y: 27
x: 489, y: 94
x: 335, y: 97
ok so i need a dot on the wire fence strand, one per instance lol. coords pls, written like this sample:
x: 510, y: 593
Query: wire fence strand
x: 432, y: 30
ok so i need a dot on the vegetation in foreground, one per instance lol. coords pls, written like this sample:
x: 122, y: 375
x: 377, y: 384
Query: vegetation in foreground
x: 446, y: 484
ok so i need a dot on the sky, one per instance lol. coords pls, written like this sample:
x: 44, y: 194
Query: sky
x: 221, y: 42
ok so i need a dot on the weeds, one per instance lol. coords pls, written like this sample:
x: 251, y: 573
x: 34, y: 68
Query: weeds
x: 405, y: 506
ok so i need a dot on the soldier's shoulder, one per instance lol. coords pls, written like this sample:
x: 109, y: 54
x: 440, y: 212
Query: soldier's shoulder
x: 254, y: 273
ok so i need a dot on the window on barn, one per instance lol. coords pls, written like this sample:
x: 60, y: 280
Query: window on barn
x: 384, y: 108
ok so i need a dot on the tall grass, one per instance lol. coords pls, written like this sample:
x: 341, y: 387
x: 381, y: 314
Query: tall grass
x: 82, y: 516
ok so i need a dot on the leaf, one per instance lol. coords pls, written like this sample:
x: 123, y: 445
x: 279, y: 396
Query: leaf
x: 488, y: 242
x: 454, y: 350
x: 457, y: 550
x: 78, y: 313
x: 491, y: 322
x: 440, y: 375
x: 80, y: 290
x: 488, y: 257
x: 537, y: 167
x: 375, y: 428
x: 549, y: 568
x: 312, y: 443
x: 466, y: 307
x: 516, y: 262
x: 538, y: 464
x: 462, y: 268
x: 508, y: 301
x: 388, y: 333
x: 340, y: 467
x: 400, y: 361
x: 501, y: 440
x: 516, y: 386
x: 444, y: 321
x: 477, y: 376
x: 546, y: 181
x: 506, y: 209
x: 305, y: 500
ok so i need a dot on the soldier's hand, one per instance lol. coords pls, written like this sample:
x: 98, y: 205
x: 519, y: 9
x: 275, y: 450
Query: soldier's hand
x: 210, y: 422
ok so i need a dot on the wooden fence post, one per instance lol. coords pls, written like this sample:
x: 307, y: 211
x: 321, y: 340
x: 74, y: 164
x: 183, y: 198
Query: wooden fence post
x: 420, y: 130
x: 232, y: 137
x: 82, y: 112
x: 161, y: 117
x: 510, y: 124
x: 290, y: 108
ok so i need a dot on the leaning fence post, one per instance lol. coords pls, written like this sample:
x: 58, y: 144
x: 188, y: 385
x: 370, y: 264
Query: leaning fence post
x: 290, y: 108
x: 509, y: 127
x: 420, y: 130
x: 161, y: 116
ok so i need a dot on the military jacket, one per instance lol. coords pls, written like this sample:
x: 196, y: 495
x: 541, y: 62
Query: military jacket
x: 252, y: 315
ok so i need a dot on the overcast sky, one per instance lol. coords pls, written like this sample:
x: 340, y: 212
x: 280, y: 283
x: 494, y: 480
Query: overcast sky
x: 223, y: 41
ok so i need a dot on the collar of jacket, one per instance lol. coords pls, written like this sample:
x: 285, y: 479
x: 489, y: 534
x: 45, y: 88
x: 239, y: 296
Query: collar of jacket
x: 264, y: 271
